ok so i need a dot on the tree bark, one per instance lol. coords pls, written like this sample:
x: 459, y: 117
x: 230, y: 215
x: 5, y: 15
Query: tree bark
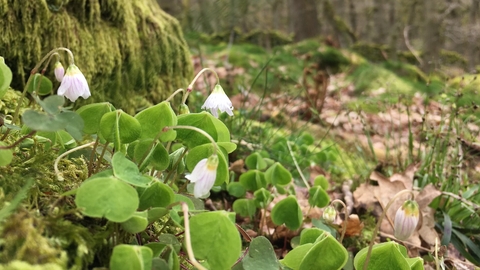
x: 304, y: 17
x: 433, y: 32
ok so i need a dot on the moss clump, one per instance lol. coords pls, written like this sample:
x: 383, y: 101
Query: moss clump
x: 372, y: 52
x: 451, y: 58
x: 23, y: 240
x: 125, y: 48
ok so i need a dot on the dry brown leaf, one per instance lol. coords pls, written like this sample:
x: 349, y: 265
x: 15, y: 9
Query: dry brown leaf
x: 364, y: 196
x: 238, y: 166
x: 354, y: 226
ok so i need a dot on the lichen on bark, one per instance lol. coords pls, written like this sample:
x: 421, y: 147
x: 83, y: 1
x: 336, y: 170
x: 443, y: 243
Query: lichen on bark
x: 131, y: 52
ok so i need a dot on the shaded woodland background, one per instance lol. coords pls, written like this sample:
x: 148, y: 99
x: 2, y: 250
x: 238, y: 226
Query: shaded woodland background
x: 438, y: 31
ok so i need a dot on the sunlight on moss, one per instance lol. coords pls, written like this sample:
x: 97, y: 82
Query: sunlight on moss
x: 124, y: 48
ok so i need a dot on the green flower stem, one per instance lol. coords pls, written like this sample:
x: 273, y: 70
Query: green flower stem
x: 188, y: 242
x: 375, y: 232
x: 92, y: 155
x: 201, y: 131
x: 190, y: 86
x: 55, y: 165
x: 298, y: 167
x: 99, y: 160
x: 174, y: 94
x: 345, y: 210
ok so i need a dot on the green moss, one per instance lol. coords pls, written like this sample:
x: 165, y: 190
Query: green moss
x: 451, y: 58
x: 125, y: 48
x: 372, y: 52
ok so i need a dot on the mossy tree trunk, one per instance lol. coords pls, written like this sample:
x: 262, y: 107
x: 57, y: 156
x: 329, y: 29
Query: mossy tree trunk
x: 131, y: 52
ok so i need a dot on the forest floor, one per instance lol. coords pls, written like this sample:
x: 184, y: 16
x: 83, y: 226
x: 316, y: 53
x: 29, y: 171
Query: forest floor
x: 383, y: 129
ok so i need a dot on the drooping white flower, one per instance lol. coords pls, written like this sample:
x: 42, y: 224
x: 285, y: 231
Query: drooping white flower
x: 203, y: 175
x: 74, y: 84
x: 406, y: 220
x: 218, y: 100
x: 59, y: 71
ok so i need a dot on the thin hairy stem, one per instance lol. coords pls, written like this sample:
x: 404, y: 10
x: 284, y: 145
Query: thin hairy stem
x: 298, y: 167
x: 188, y: 242
x: 345, y: 210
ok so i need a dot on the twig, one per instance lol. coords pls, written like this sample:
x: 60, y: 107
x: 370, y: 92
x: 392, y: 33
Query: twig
x: 348, y: 196
x: 19, y: 141
x: 409, y: 46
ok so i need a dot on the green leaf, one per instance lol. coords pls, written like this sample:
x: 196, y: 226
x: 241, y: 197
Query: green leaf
x: 447, y: 229
x: 387, y: 255
x: 322, y: 182
x: 295, y: 256
x: 42, y: 122
x: 255, y: 161
x: 318, y: 197
x: 278, y: 175
x: 156, y: 195
x: 5, y: 77
x: 107, y: 197
x: 92, y: 114
x: 287, y: 211
x: 415, y: 263
x: 310, y: 235
x: 327, y: 253
x: 137, y: 223
x: 253, y: 180
x: 156, y: 213
x: 204, y: 151
x: 215, y: 238
x: 305, y: 139
x: 236, y: 189
x: 157, y: 156
x: 127, y: 257
x: 156, y: 248
x: 41, y: 84
x: 154, y: 119
x: 119, y: 127
x: 260, y: 255
x: 73, y: 124
x: 6, y: 155
x: 244, y: 207
x: 262, y: 198
x: 127, y: 171
x: 52, y: 104
x: 203, y: 121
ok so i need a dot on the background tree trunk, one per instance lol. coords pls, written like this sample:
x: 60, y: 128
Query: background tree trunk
x: 304, y: 17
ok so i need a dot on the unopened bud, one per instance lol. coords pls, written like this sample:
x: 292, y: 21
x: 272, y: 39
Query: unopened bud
x: 406, y: 220
x: 183, y: 109
x: 59, y: 71
x: 329, y: 214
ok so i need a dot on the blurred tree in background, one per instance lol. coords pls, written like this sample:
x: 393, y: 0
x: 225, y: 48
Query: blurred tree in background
x: 439, y: 31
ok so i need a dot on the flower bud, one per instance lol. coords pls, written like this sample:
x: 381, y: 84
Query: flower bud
x: 329, y: 214
x: 183, y: 109
x: 59, y: 71
x: 406, y: 220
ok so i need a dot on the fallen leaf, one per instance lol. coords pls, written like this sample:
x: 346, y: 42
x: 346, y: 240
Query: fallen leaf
x: 354, y: 226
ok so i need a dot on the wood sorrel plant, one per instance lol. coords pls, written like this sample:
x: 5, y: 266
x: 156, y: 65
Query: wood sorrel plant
x: 137, y: 168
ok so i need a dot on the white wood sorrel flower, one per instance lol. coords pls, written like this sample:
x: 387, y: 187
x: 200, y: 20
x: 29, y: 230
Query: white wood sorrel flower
x: 203, y: 175
x: 406, y: 220
x: 218, y: 100
x: 74, y: 84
